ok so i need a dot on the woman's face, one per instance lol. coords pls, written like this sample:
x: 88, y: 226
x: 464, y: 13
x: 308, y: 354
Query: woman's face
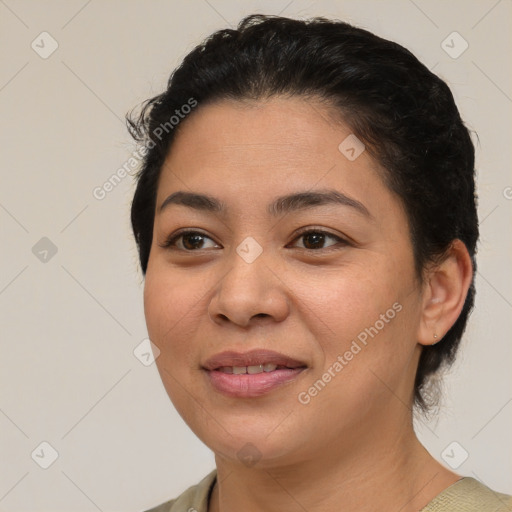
x: 337, y: 310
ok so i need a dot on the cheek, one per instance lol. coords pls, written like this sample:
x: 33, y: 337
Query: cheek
x: 169, y: 309
x: 366, y: 313
x: 345, y: 301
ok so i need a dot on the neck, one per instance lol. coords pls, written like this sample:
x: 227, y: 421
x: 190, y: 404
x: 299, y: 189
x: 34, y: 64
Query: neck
x: 384, y: 470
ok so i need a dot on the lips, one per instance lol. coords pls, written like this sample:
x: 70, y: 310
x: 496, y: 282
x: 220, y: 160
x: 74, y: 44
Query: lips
x: 251, y: 374
x: 252, y: 358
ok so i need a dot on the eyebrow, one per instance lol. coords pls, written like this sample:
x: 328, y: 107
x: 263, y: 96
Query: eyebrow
x: 281, y: 205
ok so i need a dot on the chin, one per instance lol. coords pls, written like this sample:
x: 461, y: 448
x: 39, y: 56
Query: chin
x: 246, y: 436
x: 260, y: 451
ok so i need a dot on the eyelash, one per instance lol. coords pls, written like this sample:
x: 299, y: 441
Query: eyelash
x: 170, y: 242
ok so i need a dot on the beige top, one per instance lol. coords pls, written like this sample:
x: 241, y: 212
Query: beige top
x: 465, y: 495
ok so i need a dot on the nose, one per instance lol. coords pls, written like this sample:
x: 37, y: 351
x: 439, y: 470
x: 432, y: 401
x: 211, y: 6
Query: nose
x: 249, y: 293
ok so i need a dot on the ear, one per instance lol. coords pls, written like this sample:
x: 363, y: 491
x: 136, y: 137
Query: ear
x: 445, y: 290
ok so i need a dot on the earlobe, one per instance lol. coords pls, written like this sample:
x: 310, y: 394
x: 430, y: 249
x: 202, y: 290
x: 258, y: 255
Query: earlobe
x: 445, y: 290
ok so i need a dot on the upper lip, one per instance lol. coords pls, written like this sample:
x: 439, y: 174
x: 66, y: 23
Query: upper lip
x: 251, y: 358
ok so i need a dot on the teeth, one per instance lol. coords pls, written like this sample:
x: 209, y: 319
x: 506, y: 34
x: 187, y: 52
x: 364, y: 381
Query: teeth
x: 251, y: 370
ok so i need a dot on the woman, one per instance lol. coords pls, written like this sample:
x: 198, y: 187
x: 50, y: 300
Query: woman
x: 306, y: 223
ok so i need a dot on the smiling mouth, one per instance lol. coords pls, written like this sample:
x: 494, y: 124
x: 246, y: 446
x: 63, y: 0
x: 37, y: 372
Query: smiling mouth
x: 253, y: 361
x: 251, y: 374
x: 251, y: 370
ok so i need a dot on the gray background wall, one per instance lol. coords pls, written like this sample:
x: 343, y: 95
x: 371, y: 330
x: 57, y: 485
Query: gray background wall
x: 71, y: 320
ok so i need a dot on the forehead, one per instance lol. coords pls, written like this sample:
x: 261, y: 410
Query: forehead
x: 264, y: 144
x: 278, y: 125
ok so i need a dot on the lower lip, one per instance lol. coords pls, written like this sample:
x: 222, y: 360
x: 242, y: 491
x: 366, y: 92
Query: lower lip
x: 251, y: 385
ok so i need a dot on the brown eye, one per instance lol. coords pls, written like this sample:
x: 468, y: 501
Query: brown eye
x: 315, y: 239
x: 188, y: 241
x: 193, y: 241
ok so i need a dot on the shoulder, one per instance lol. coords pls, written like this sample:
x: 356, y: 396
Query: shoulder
x: 469, y: 495
x: 194, y: 499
